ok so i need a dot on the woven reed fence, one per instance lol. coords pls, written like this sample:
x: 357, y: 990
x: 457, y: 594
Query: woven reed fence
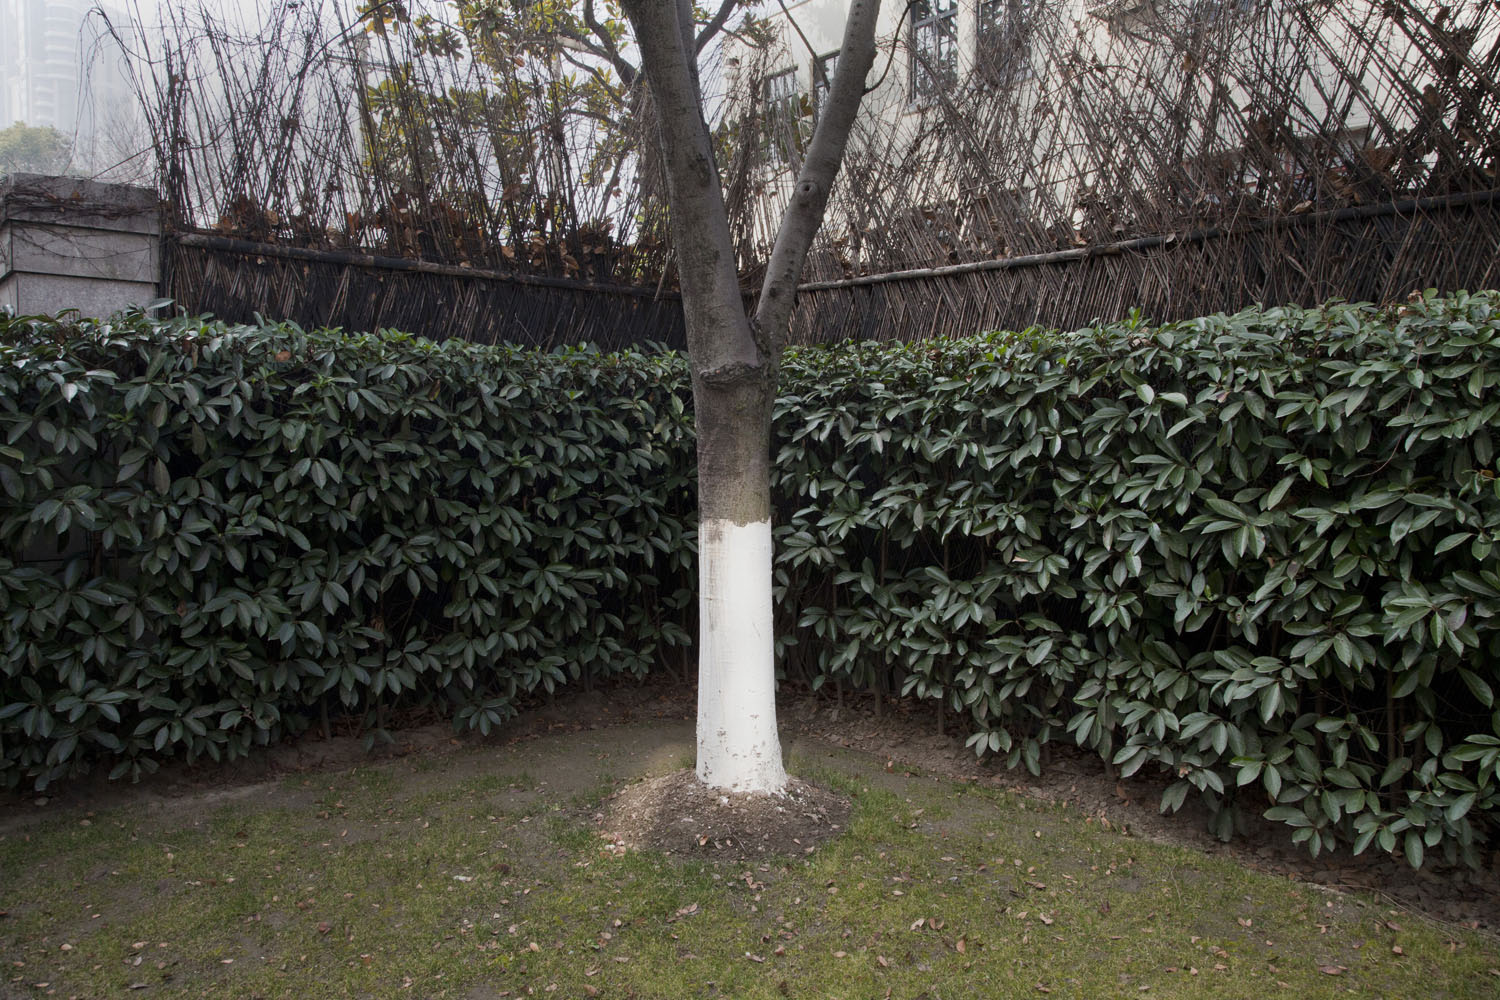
x: 237, y: 279
x: 1278, y: 151
x: 1374, y: 252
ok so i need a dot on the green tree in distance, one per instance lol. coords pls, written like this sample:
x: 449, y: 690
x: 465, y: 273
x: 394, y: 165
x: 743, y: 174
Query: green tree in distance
x: 33, y: 149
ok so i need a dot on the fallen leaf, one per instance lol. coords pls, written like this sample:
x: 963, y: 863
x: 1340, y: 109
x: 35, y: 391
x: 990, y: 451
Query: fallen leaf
x: 960, y: 947
x: 1332, y: 970
x: 1243, y: 921
x: 324, y: 927
x: 882, y: 961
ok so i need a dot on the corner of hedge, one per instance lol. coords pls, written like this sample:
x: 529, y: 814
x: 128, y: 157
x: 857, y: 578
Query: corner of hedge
x: 1253, y: 551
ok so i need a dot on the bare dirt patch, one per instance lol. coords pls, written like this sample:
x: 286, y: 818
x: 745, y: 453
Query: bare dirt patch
x: 679, y: 815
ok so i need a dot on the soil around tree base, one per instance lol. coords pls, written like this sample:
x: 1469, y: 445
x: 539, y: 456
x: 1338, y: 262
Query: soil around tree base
x: 680, y: 815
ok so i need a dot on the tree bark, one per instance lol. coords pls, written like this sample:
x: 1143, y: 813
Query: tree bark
x: 733, y: 362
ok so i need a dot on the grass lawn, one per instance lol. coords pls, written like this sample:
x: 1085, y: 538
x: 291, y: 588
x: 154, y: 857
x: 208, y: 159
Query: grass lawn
x: 482, y: 873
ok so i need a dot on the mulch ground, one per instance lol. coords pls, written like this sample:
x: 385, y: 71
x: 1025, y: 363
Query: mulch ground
x: 678, y: 815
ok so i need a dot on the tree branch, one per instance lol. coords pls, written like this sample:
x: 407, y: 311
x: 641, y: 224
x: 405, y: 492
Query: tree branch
x: 718, y: 333
x: 810, y: 195
x: 627, y: 72
x: 715, y: 24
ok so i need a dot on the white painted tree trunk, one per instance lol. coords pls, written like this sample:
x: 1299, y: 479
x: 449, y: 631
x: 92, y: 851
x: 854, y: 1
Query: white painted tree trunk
x: 738, y: 747
x: 734, y: 359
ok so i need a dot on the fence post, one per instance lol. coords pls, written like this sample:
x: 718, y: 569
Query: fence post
x: 70, y: 243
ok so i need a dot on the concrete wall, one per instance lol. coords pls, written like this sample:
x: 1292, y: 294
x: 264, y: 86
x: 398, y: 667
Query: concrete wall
x: 68, y: 243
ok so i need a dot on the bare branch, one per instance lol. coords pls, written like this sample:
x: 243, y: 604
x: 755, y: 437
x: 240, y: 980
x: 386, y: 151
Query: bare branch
x: 815, y: 182
x: 715, y: 24
x: 700, y: 227
x: 628, y: 73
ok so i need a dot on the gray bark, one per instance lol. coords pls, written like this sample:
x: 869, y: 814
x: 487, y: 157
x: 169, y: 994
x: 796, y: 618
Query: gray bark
x: 733, y: 356
x: 733, y: 360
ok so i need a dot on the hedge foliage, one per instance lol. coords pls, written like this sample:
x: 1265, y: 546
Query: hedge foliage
x: 1253, y: 550
x: 213, y: 535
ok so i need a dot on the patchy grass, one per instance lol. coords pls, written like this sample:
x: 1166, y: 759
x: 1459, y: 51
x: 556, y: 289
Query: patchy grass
x: 486, y: 878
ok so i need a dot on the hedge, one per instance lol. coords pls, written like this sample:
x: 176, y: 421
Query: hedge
x: 1253, y: 550
x: 214, y: 535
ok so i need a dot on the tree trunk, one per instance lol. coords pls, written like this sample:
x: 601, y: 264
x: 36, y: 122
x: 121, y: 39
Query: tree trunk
x: 738, y: 745
x: 733, y: 360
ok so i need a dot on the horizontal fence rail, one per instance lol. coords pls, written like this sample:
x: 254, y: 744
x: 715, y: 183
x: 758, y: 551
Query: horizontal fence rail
x: 237, y: 279
x: 1369, y: 252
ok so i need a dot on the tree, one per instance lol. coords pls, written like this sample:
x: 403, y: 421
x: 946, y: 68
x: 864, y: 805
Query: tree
x: 37, y: 149
x: 527, y: 96
x: 734, y: 359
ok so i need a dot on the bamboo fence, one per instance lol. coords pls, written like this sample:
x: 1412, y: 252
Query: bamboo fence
x: 1176, y: 163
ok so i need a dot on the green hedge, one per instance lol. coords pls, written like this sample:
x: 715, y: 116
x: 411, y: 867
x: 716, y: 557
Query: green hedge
x: 1253, y: 550
x: 214, y: 535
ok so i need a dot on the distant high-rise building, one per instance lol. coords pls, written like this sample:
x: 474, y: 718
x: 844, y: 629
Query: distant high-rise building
x: 60, y: 68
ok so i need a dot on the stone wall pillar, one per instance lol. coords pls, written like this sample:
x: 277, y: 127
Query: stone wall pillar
x: 69, y: 243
